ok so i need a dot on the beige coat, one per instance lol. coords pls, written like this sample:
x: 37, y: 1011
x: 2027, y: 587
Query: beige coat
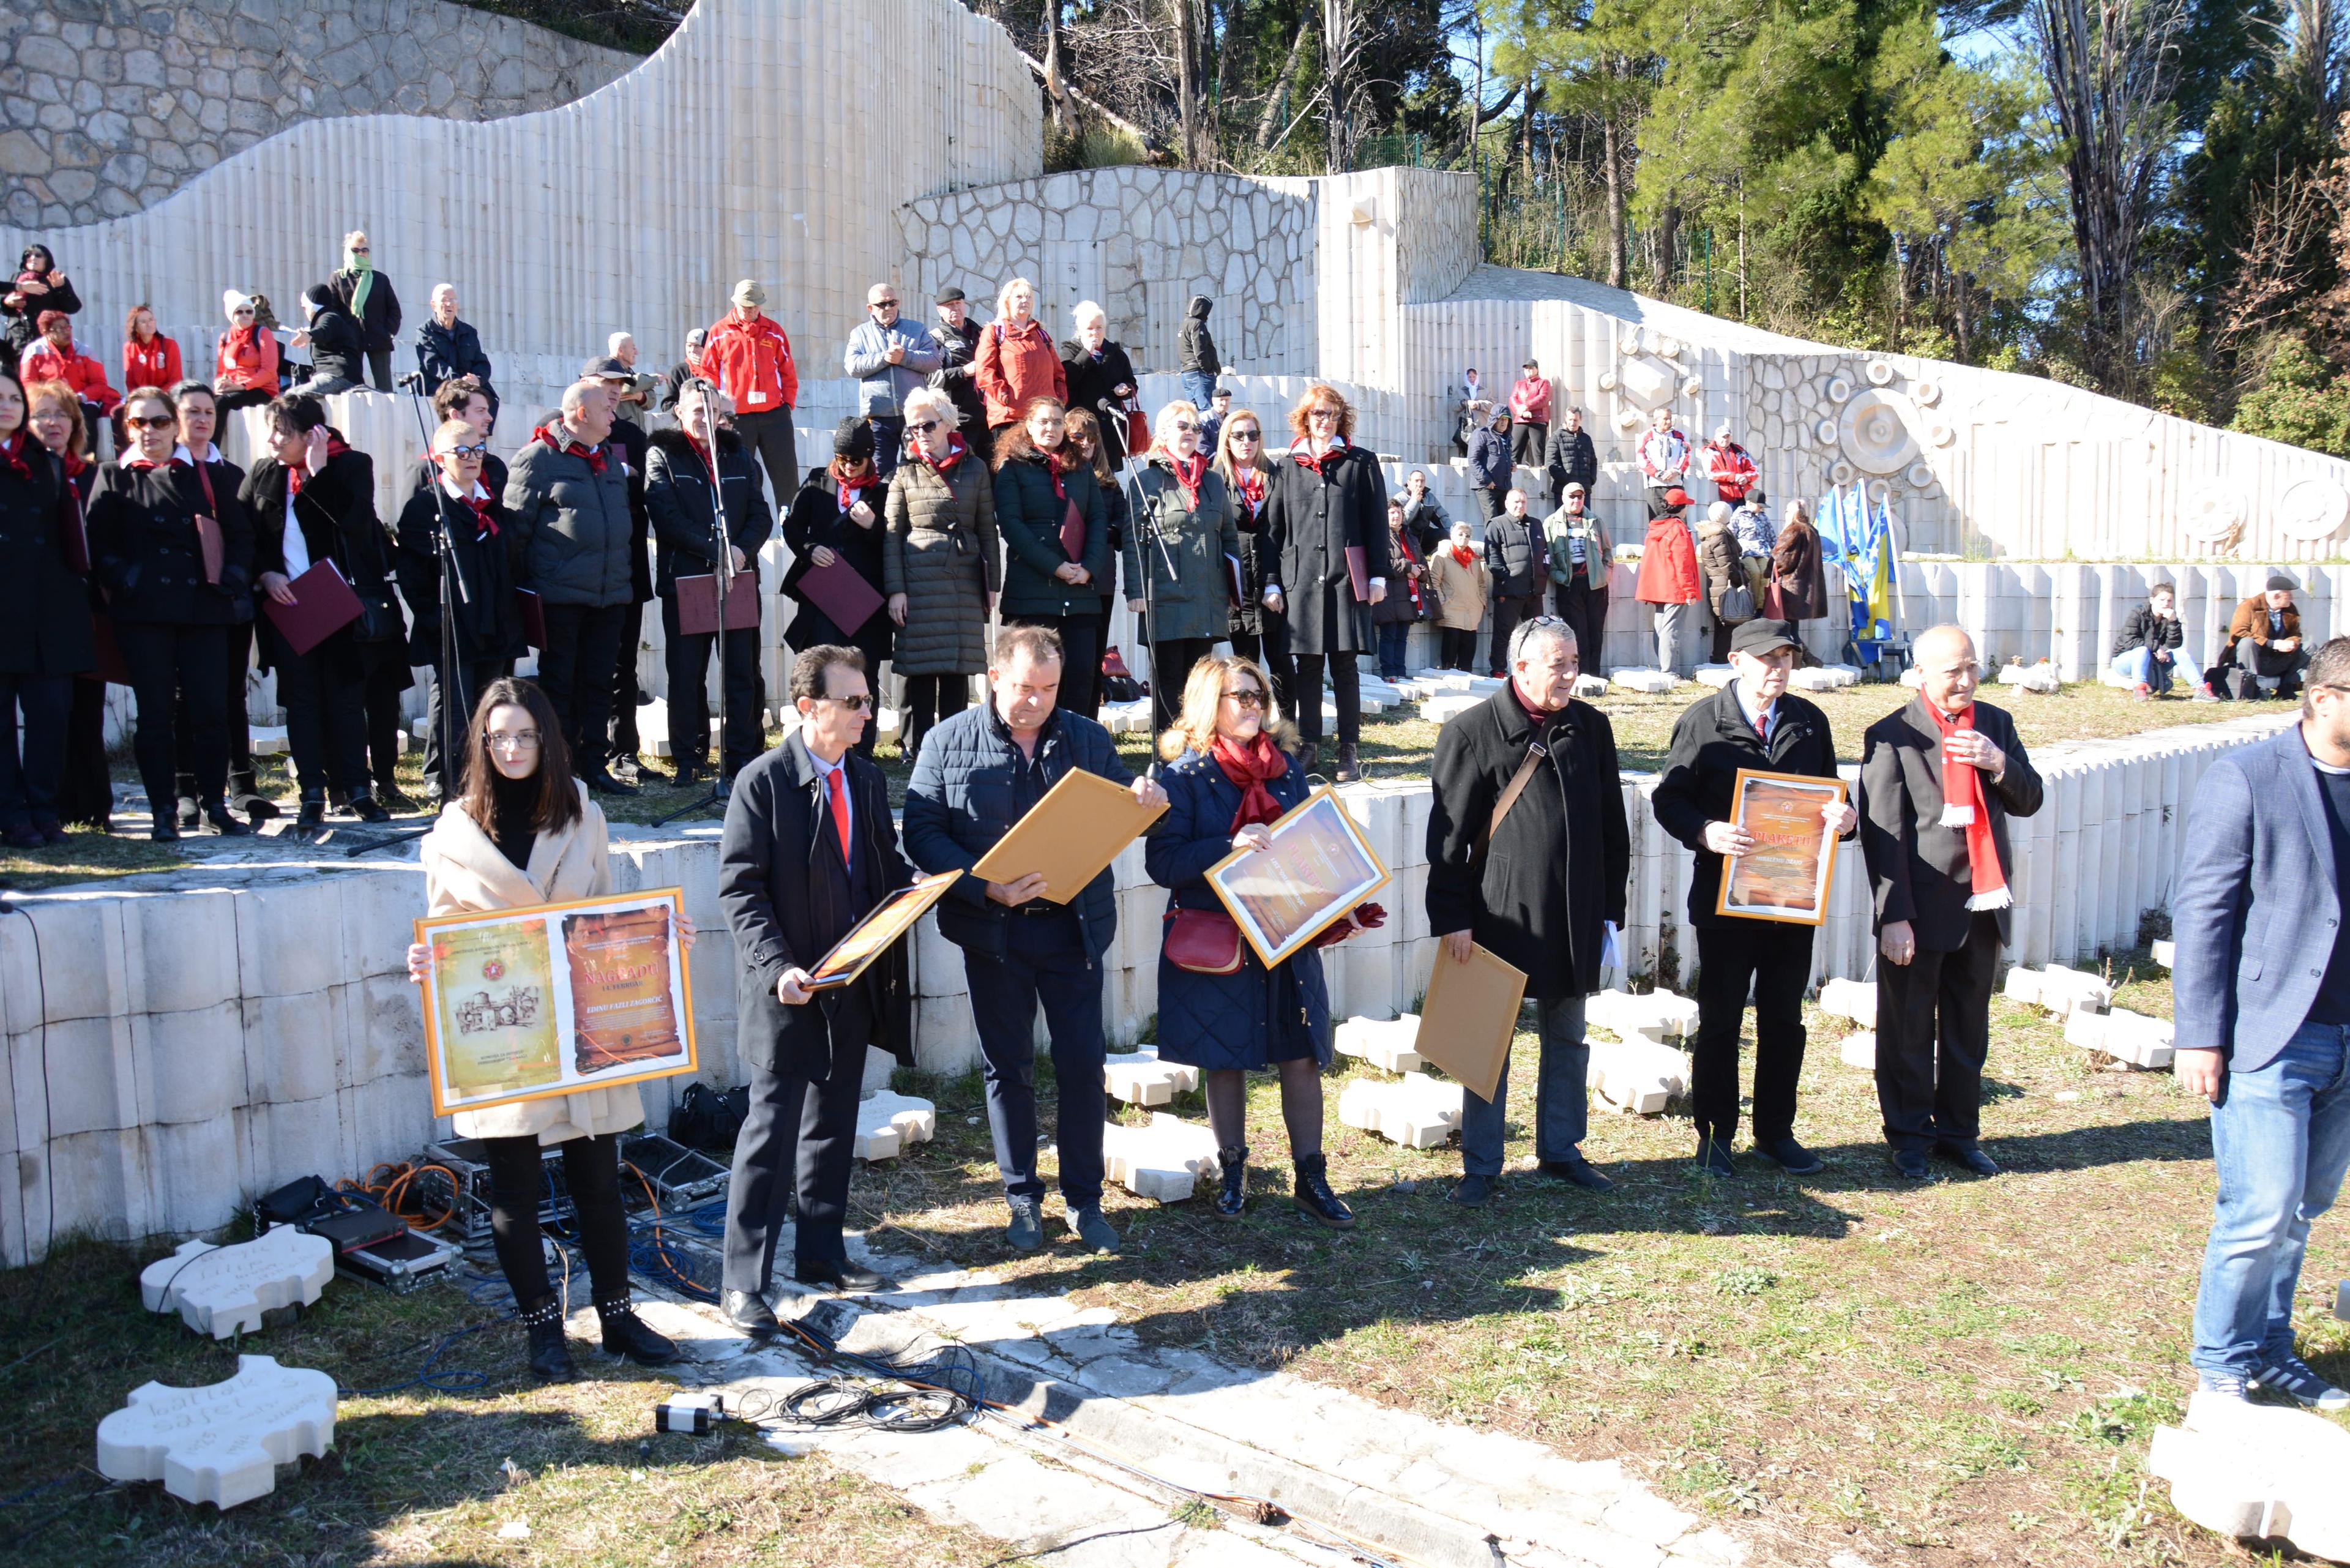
x: 466, y: 874
x: 1460, y: 591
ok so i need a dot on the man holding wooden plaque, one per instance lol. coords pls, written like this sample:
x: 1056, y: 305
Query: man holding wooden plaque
x: 1033, y: 932
x: 1756, y: 931
x: 1528, y: 860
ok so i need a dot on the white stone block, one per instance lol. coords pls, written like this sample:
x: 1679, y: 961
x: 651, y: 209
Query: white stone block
x: 1139, y: 1078
x: 2166, y: 953
x: 1450, y: 706
x: 1715, y: 675
x: 223, y: 1291
x: 1385, y: 1043
x: 180, y: 949
x: 1659, y: 1015
x: 2040, y: 678
x: 220, y: 1443
x: 1416, y: 1111
x: 191, y: 1065
x: 946, y: 1041
x: 2063, y: 990
x: 886, y: 1123
x: 1164, y: 1160
x: 1851, y: 999
x: 1636, y: 678
x: 1858, y: 1050
x: 1637, y: 1075
x: 2136, y: 1038
x: 269, y: 740
x: 2259, y: 1471
x: 1587, y: 685
x: 1824, y: 677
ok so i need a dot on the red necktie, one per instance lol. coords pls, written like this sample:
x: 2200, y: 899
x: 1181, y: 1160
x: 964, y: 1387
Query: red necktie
x: 1763, y: 725
x: 839, y: 809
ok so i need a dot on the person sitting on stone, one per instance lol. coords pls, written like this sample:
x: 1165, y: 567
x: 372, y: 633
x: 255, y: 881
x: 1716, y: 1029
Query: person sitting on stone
x: 56, y: 358
x: 2265, y: 635
x: 2150, y: 651
x: 450, y: 347
x: 244, y: 374
x: 335, y: 345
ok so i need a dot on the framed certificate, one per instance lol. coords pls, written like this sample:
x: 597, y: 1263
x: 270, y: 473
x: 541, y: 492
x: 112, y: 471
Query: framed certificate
x: 892, y: 918
x: 1787, y: 873
x: 524, y: 1003
x: 1318, y: 867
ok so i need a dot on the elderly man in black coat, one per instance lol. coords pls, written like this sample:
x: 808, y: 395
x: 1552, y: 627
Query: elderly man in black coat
x: 1528, y: 857
x: 808, y: 851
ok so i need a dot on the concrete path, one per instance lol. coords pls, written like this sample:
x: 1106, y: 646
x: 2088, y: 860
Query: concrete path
x: 1358, y: 1481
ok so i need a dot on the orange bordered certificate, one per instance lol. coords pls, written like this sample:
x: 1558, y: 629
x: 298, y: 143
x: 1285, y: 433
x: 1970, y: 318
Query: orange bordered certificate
x: 520, y: 1004
x: 1787, y: 875
x: 1318, y: 867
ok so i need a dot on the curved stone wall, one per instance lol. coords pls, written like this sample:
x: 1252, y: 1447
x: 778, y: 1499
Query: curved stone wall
x: 111, y: 106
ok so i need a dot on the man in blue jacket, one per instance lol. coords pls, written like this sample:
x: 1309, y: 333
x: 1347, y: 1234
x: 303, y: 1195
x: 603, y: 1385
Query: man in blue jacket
x: 890, y: 356
x: 980, y: 773
x: 2262, y: 1002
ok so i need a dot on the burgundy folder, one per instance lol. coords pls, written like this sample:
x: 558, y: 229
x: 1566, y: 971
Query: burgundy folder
x: 1073, y: 533
x: 840, y: 591
x: 1358, y: 573
x: 323, y: 605
x: 697, y: 603
x: 534, y: 618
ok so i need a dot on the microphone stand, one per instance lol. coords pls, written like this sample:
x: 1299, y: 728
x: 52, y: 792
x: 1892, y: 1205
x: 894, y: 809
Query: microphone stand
x: 722, y: 550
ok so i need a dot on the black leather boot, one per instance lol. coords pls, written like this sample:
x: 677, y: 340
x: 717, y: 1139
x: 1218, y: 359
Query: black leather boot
x: 227, y: 826
x: 625, y: 1334
x: 313, y: 814
x: 1348, y: 773
x: 244, y: 794
x: 1313, y: 1194
x: 550, y: 1357
x: 1231, y: 1194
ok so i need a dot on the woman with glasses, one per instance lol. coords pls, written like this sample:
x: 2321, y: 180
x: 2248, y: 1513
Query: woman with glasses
x: 1230, y: 777
x: 1100, y: 376
x: 244, y: 372
x: 1182, y: 551
x: 489, y: 630
x: 1048, y: 507
x: 1325, y: 523
x: 525, y: 832
x: 939, y: 566
x: 173, y: 560
x: 367, y: 298
x: 45, y: 630
x: 837, y: 518
x: 1255, y: 632
x: 199, y: 419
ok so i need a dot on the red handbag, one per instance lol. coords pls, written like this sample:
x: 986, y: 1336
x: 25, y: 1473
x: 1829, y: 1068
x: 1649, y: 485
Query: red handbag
x: 1137, y: 428
x: 1204, y: 942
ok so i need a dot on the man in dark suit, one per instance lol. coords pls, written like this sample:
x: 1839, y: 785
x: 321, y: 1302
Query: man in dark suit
x: 1938, y: 779
x: 2262, y: 1002
x: 807, y: 852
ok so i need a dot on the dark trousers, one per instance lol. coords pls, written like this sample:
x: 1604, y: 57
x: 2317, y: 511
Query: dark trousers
x: 235, y: 667
x: 163, y: 660
x: 889, y: 440
x: 575, y: 670
x: 1585, y: 610
x: 770, y: 434
x: 929, y: 699
x: 1170, y: 666
x: 1346, y: 692
x: 1459, y: 647
x: 325, y: 697
x: 86, y: 790
x: 447, y: 775
x: 1489, y: 500
x: 1081, y: 649
x: 1507, y: 614
x: 1270, y: 649
x: 1527, y: 442
x: 1776, y: 959
x: 797, y: 1138
x: 1933, y: 1033
x: 1395, y: 638
x: 385, y: 682
x: 591, y: 1174
x: 29, y: 774
x: 1045, y: 962
x: 625, y: 743
x: 379, y: 368
x: 687, y: 660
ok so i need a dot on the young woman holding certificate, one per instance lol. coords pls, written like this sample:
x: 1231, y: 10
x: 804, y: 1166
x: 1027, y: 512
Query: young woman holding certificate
x: 525, y: 833
x: 1219, y: 1009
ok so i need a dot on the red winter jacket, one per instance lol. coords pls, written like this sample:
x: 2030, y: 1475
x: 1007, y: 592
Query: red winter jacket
x: 154, y: 363
x: 1013, y: 366
x: 1668, y: 564
x: 1733, y: 471
x: 248, y: 361
x: 752, y: 361
x: 43, y: 361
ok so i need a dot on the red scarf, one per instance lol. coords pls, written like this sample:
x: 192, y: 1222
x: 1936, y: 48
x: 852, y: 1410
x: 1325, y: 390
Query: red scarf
x: 1053, y: 471
x: 852, y: 487
x: 1190, y: 473
x: 485, y: 508
x: 1963, y: 809
x: 939, y: 465
x: 1253, y: 488
x: 1466, y: 554
x: 12, y: 453
x: 560, y: 440
x: 1252, y: 767
x: 74, y: 463
x: 1303, y: 450
x: 1401, y: 538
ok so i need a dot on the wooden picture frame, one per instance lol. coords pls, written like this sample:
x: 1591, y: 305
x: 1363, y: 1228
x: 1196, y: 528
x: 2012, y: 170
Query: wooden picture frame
x: 1788, y: 877
x: 894, y: 917
x: 1318, y: 867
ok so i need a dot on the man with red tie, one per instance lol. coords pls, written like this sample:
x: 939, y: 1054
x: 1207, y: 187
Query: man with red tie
x: 808, y: 850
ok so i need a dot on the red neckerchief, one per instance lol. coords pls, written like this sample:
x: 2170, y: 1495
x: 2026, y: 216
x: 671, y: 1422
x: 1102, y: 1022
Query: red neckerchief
x: 74, y: 463
x: 485, y: 508
x: 852, y: 488
x: 1402, y: 538
x: 139, y: 461
x: 1963, y: 809
x: 1189, y: 472
x: 939, y: 465
x: 1464, y: 554
x: 12, y: 452
x: 1303, y: 450
x: 563, y: 441
x: 1251, y: 768
x: 1053, y: 473
x: 1251, y: 479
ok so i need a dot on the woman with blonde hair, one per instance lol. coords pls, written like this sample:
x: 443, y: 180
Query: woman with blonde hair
x: 939, y: 564
x: 1181, y: 528
x: 1018, y: 362
x: 1326, y: 512
x: 1255, y: 631
x: 1221, y: 1010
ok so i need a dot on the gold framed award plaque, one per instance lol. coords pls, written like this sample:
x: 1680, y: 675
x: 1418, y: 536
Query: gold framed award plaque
x: 523, y: 1004
x: 1318, y: 867
x: 1787, y: 875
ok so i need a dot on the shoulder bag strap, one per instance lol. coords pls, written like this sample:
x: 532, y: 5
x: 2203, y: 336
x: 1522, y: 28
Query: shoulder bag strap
x: 1535, y: 753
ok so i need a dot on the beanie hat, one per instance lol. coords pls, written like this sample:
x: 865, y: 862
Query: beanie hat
x: 852, y: 438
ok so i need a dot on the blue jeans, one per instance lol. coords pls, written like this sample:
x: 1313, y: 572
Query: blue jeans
x: 1562, y: 1102
x: 2140, y: 667
x: 1045, y: 962
x: 1200, y: 389
x: 1395, y: 636
x: 2281, y: 1139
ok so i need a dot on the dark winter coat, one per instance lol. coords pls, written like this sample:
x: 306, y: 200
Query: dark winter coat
x: 1248, y: 617
x: 1571, y: 460
x: 1028, y: 515
x: 958, y: 371
x: 1196, y: 601
x: 1720, y: 563
x: 816, y: 518
x: 334, y: 347
x: 1562, y: 861
x: 335, y: 509
x: 144, y: 550
x: 630, y: 445
x: 45, y: 627
x: 1489, y: 459
x: 489, y: 626
x: 1252, y: 1017
x: 1092, y: 386
x: 941, y: 552
x: 2146, y: 630
x: 970, y: 786
x: 677, y: 495
x: 1194, y: 348
x: 1918, y: 869
x: 1712, y: 741
x: 1517, y: 554
x: 1407, y: 569
x: 1799, y: 582
x: 1311, y: 521
x: 380, y: 322
x: 1430, y: 526
x: 574, y: 533
x: 23, y: 321
x: 450, y: 352
x: 789, y: 898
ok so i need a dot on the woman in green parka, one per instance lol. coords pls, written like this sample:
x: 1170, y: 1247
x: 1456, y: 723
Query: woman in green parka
x: 1183, y: 541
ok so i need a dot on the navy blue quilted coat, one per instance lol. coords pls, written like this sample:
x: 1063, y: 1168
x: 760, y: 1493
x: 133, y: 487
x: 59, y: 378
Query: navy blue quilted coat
x: 1251, y: 1017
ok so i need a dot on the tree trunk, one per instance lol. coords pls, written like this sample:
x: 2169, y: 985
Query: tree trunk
x: 1619, y: 260
x: 1056, y: 88
x: 1228, y: 53
x: 1276, y: 105
x: 1668, y: 231
x: 1187, y: 83
x: 1337, y: 84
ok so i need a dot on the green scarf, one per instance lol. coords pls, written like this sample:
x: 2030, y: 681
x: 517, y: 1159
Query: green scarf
x: 363, y: 267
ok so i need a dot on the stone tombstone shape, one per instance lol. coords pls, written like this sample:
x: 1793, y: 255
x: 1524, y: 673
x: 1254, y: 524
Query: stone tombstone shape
x: 888, y: 1122
x: 222, y: 1290
x: 2256, y: 1471
x: 220, y: 1443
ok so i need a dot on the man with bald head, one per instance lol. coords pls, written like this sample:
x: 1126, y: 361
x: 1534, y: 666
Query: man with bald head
x: 1938, y: 779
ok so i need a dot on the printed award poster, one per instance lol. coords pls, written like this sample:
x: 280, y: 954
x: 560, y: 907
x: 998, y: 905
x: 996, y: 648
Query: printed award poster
x: 494, y: 1000
x: 1786, y: 876
x: 1317, y: 867
x: 620, y: 988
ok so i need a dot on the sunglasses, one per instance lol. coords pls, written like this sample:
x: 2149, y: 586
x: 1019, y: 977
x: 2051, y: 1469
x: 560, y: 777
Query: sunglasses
x: 1246, y: 699
x: 854, y: 704
x: 245, y: 310
x: 1244, y: 435
x: 480, y: 450
x: 1322, y: 414
x: 923, y: 427
x: 151, y: 422
x: 1185, y: 426
x: 882, y: 305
